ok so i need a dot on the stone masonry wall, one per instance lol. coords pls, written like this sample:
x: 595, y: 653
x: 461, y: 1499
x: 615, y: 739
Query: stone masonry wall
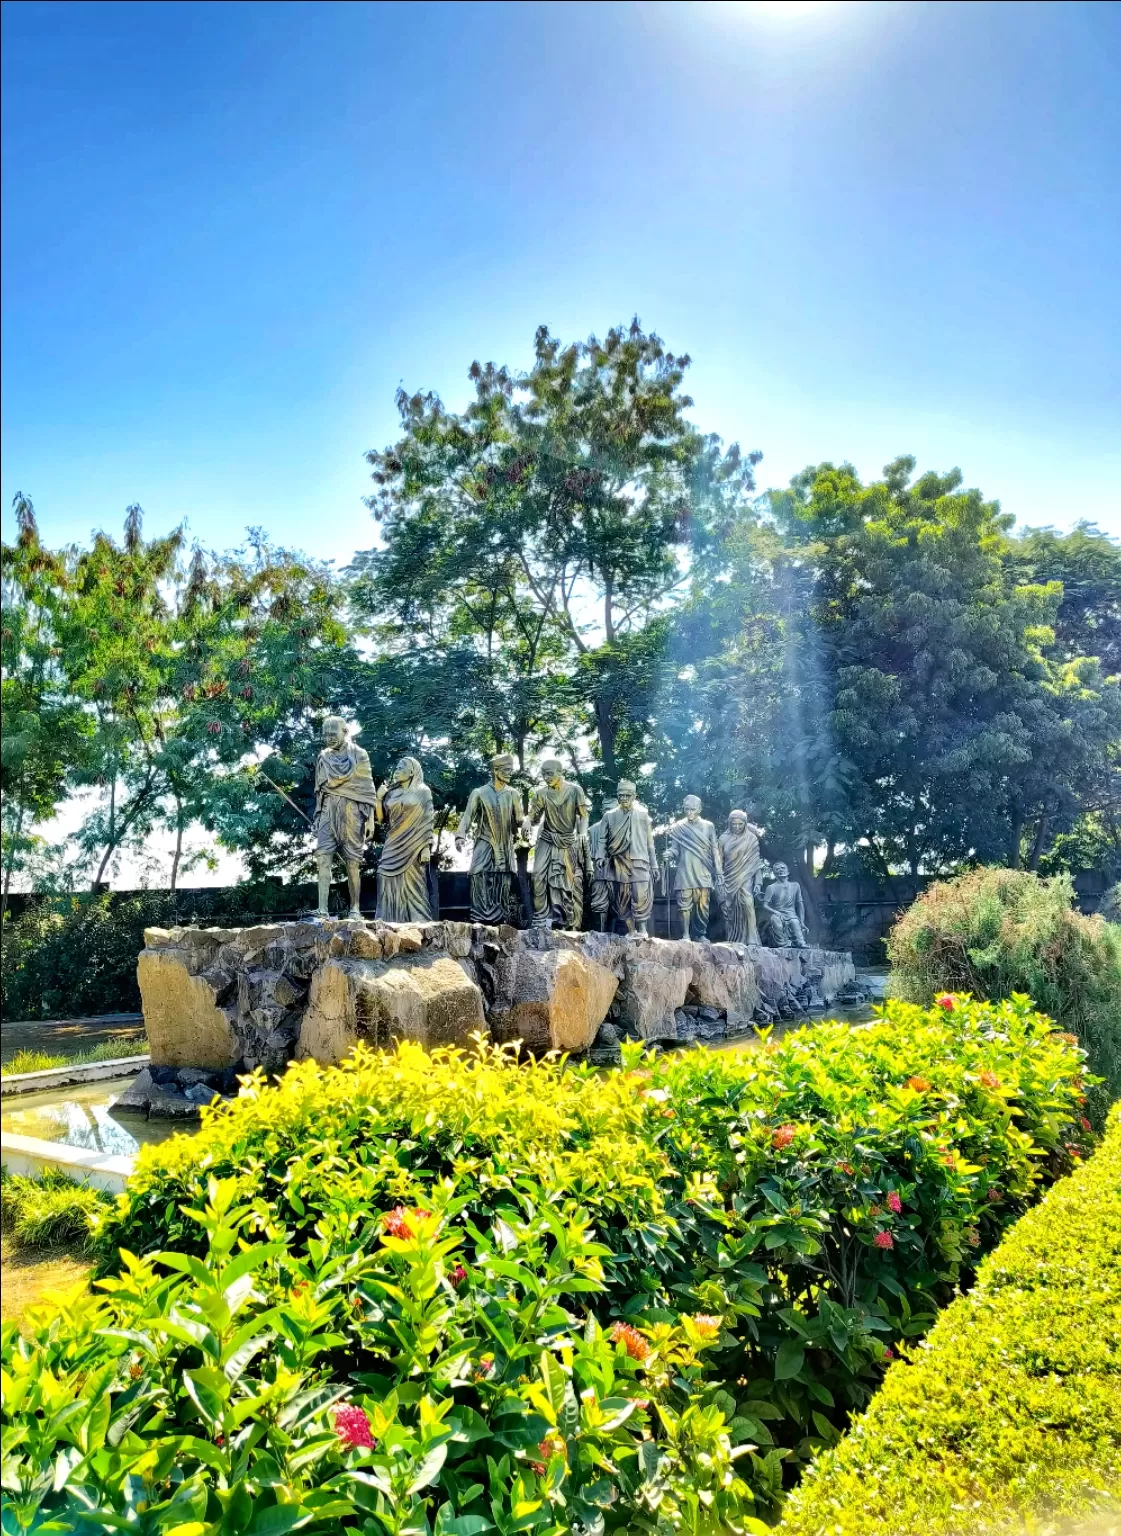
x: 221, y: 999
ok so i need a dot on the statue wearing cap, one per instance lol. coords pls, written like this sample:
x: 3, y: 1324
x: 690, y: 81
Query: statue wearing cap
x: 344, y: 802
x: 560, y: 852
x: 493, y: 818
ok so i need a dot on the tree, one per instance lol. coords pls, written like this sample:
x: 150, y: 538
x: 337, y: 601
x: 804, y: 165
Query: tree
x: 965, y: 739
x: 1088, y: 564
x: 543, y: 528
x: 46, y: 733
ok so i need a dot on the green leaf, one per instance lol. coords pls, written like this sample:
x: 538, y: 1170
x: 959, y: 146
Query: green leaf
x: 789, y: 1360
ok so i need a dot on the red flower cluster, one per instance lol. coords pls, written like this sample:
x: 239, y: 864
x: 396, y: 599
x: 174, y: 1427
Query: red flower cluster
x: 989, y: 1080
x: 783, y: 1136
x: 919, y: 1084
x: 894, y: 1203
x: 883, y: 1240
x: 353, y: 1427
x: 397, y: 1221
x: 458, y: 1276
x: 632, y: 1341
x: 846, y: 1168
x: 948, y: 1001
x: 889, y: 1354
x: 1084, y: 1123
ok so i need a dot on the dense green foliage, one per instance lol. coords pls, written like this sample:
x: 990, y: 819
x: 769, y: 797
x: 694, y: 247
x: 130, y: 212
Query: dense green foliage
x: 148, y: 678
x: 51, y: 1210
x: 1008, y: 1416
x: 997, y: 932
x: 551, y: 1296
x: 73, y: 956
x: 884, y: 670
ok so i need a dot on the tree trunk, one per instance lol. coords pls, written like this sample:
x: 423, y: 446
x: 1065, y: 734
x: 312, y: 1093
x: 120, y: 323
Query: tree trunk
x: 178, y: 843
x: 1040, y: 840
x: 605, y: 729
x: 1015, y: 837
x: 10, y: 867
x: 112, y: 834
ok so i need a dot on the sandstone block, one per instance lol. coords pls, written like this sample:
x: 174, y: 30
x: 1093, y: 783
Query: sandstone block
x: 185, y: 1025
x: 430, y: 1000
x: 650, y: 995
x: 559, y: 999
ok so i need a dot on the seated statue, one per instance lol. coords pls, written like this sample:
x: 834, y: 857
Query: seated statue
x: 782, y: 918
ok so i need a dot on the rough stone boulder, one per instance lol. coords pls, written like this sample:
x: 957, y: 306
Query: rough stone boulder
x: 222, y: 998
x: 556, y: 1000
x: 431, y: 1000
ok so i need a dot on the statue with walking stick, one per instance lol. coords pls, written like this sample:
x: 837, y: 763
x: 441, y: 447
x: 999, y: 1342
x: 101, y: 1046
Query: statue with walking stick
x: 345, y: 798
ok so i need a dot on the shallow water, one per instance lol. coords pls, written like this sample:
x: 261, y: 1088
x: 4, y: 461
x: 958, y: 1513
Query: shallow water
x: 82, y: 1116
x: 873, y: 977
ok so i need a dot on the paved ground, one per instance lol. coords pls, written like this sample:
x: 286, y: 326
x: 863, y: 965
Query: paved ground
x: 67, y: 1036
x: 28, y: 1275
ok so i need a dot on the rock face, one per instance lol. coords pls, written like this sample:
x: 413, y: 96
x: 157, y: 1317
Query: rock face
x: 224, y: 1000
x: 556, y: 1001
x: 431, y: 1000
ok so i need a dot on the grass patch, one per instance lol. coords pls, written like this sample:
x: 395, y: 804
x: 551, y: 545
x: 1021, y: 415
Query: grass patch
x: 50, y: 1211
x: 1008, y: 1417
x: 108, y: 1050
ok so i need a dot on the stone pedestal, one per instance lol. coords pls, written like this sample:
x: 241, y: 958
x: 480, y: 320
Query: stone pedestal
x: 237, y: 998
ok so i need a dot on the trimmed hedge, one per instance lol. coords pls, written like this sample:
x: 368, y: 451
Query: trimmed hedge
x: 1008, y: 1416
x: 993, y: 933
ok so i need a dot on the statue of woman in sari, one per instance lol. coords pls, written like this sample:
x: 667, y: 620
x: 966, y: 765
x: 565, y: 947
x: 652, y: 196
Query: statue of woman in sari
x: 404, y: 807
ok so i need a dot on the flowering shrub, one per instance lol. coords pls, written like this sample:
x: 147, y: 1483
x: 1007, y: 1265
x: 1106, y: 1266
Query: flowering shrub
x: 1008, y: 1416
x: 550, y: 1305
x: 992, y: 933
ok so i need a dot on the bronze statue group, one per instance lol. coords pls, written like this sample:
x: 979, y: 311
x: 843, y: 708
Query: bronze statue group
x: 614, y: 860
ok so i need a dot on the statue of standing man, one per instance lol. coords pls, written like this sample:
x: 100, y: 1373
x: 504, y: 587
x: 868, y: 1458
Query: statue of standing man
x: 739, y: 854
x: 558, y: 854
x: 629, y: 863
x: 344, y: 801
x: 493, y: 818
x: 694, y: 856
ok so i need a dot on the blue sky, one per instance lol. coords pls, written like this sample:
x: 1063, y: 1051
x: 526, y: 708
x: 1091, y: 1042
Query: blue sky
x: 230, y: 231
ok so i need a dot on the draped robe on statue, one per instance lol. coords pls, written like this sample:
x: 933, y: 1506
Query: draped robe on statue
x: 696, y: 859
x: 558, y: 870
x: 629, y: 863
x: 344, y: 800
x: 492, y: 817
x: 403, y: 895
x: 740, y: 854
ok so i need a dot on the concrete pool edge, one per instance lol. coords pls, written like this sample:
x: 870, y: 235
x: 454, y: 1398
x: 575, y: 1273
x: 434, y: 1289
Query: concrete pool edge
x: 68, y: 1076
x: 29, y: 1156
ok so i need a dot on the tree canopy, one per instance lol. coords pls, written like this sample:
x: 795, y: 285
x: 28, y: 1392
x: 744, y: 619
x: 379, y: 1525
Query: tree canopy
x: 886, y: 675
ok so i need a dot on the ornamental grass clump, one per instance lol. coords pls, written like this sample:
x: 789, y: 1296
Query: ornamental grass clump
x: 993, y: 933
x: 460, y: 1289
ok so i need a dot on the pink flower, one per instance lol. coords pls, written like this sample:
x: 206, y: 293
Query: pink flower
x: 353, y: 1427
x: 948, y: 1001
x: 458, y: 1276
x: 1084, y: 1123
x: 883, y: 1240
x: 889, y: 1354
x: 783, y: 1136
x: 894, y: 1203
